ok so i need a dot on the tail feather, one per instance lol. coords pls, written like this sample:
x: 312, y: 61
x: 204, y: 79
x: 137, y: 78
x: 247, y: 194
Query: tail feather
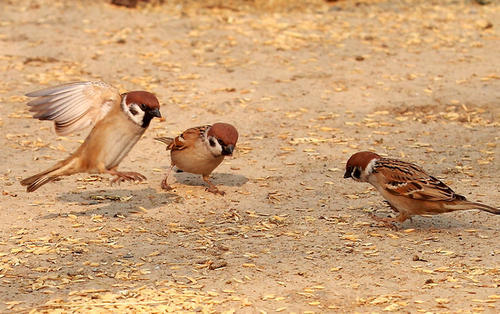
x: 487, y: 208
x: 36, y: 181
x: 165, y: 140
x: 464, y: 205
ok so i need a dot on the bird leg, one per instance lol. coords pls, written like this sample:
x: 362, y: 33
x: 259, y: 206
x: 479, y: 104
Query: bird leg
x: 211, y: 187
x: 164, y: 182
x: 125, y: 176
x: 389, y: 222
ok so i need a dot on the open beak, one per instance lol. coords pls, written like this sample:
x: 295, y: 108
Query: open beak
x: 228, y: 150
x: 155, y: 113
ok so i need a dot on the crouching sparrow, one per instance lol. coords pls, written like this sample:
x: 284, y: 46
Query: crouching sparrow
x: 407, y: 188
x: 119, y: 122
x: 200, y: 150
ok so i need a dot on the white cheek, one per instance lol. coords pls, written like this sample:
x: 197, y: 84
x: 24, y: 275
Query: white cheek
x: 138, y: 116
x: 215, y: 150
x: 368, y: 170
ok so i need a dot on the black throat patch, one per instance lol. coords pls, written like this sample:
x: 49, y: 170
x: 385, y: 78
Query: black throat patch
x: 146, y: 120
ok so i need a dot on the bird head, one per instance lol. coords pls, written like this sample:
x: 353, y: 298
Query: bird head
x: 222, y: 138
x: 141, y: 107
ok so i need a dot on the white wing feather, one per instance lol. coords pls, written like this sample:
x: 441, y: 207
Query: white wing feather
x: 74, y: 106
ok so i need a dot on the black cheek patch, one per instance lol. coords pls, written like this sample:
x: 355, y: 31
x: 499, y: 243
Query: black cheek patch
x: 133, y: 111
x: 356, y: 173
x: 212, y: 142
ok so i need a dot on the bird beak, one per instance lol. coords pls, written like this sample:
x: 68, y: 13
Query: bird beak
x: 227, y: 150
x: 155, y: 113
x: 347, y: 173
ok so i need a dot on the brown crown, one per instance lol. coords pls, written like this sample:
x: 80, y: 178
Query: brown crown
x: 361, y: 159
x: 225, y: 132
x: 142, y: 97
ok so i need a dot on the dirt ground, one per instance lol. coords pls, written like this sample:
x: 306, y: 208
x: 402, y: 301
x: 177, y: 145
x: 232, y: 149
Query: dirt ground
x: 306, y: 88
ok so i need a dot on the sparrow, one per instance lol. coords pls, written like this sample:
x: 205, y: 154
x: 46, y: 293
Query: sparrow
x: 119, y: 121
x: 407, y: 188
x: 200, y: 150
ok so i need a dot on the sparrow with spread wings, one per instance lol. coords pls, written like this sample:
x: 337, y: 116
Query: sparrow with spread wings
x: 200, y: 150
x: 407, y: 188
x: 119, y: 121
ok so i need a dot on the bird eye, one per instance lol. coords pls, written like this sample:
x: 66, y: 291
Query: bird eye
x: 212, y: 142
x: 221, y: 143
x: 356, y: 173
x: 143, y: 107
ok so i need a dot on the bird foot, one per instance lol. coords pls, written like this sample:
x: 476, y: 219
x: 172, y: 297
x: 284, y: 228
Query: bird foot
x: 127, y: 176
x: 211, y: 187
x: 165, y: 186
x: 215, y: 190
x: 386, y: 222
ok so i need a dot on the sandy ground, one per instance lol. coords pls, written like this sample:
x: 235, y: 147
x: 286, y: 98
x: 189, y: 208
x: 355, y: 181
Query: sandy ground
x: 306, y: 89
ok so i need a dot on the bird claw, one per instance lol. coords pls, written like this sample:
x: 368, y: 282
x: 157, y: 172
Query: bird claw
x: 165, y: 186
x: 127, y: 176
x: 215, y: 190
x: 386, y: 222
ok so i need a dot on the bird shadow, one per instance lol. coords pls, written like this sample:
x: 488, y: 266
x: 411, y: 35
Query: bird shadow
x: 223, y: 179
x: 450, y: 221
x: 437, y: 223
x: 114, y: 203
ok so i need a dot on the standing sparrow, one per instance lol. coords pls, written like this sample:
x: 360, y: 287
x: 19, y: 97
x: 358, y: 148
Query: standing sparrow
x: 407, y: 188
x: 200, y: 150
x: 119, y: 122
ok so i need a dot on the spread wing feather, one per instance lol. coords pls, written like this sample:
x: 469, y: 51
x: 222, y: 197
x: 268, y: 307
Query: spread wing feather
x: 74, y: 106
x: 409, y: 180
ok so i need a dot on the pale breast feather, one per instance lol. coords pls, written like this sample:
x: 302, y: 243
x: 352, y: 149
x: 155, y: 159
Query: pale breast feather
x: 123, y: 140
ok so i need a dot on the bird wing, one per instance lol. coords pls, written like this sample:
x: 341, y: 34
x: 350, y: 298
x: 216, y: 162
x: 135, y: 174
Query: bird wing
x: 188, y: 138
x: 405, y: 179
x: 165, y: 140
x: 74, y: 106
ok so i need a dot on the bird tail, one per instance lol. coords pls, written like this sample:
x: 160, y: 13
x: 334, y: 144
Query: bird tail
x: 165, y: 140
x: 463, y: 205
x: 34, y: 182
